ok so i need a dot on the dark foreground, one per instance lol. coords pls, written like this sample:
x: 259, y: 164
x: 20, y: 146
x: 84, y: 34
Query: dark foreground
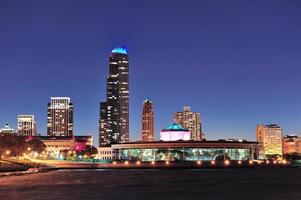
x: 280, y: 183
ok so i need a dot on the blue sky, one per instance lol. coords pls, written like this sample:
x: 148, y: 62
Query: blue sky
x: 235, y: 62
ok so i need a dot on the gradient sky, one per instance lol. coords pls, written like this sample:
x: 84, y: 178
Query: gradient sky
x: 238, y: 63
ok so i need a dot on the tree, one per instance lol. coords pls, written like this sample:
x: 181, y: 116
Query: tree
x: 35, y: 145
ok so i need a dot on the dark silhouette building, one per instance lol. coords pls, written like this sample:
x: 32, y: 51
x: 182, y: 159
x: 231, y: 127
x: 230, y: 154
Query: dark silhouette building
x: 114, y: 113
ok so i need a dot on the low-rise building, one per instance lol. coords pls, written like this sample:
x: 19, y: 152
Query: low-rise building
x: 182, y: 150
x: 7, y: 130
x: 105, y: 153
x: 65, y: 143
x: 291, y: 144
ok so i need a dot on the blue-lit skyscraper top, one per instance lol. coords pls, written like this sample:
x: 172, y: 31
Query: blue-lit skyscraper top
x: 121, y: 50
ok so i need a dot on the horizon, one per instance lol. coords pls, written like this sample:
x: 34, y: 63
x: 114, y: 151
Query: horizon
x: 237, y: 64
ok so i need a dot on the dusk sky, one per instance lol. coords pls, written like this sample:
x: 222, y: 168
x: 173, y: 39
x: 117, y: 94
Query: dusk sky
x: 238, y: 63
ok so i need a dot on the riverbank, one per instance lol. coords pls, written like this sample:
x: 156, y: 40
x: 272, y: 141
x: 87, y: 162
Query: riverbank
x: 11, y: 168
x: 61, y: 164
x: 6, y: 166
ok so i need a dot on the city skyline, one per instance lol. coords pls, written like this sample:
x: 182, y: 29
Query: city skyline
x: 245, y: 76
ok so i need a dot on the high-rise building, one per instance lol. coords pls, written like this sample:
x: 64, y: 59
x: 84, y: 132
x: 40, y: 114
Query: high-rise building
x: 191, y: 121
x: 60, y: 117
x: 147, y: 121
x: 115, y: 116
x: 27, y: 125
x: 270, y: 136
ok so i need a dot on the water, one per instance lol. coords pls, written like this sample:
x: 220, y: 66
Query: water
x: 155, y: 184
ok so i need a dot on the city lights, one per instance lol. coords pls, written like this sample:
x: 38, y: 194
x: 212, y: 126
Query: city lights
x: 227, y: 162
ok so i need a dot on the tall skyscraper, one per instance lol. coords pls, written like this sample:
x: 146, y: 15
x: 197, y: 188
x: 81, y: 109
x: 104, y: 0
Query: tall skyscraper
x: 148, y: 121
x: 27, y: 125
x: 60, y: 117
x: 270, y: 136
x: 191, y: 121
x: 115, y: 116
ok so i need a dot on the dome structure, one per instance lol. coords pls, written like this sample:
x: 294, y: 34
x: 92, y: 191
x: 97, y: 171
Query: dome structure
x: 175, y: 132
x: 120, y: 50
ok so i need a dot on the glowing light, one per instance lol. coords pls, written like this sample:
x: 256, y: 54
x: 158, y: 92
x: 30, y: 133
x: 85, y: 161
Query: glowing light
x: 126, y: 162
x: 121, y: 50
x: 251, y: 162
x: 275, y: 162
x: 28, y: 148
x: 199, y: 162
x: 212, y: 162
x: 138, y: 162
x: 239, y: 162
x: 7, y: 152
x: 175, y: 132
x: 284, y: 162
x: 227, y: 162
x: 114, y: 162
x: 267, y: 162
x: 167, y: 162
x: 153, y: 162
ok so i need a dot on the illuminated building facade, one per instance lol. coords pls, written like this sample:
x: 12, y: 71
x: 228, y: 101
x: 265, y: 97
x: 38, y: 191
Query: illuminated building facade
x: 27, y: 125
x: 175, y: 132
x: 148, y: 121
x: 60, y: 117
x: 105, y: 153
x: 55, y: 145
x: 114, y: 119
x: 186, y: 150
x: 291, y: 144
x: 270, y: 136
x: 103, y: 137
x: 191, y: 121
x: 7, y: 130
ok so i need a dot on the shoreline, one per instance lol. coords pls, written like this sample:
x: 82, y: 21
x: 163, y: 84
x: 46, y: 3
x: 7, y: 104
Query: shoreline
x: 17, y: 168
